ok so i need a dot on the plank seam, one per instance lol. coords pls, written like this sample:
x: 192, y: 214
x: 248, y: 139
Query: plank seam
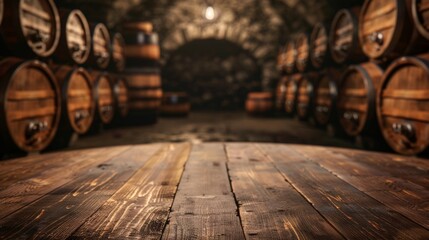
x: 237, y: 205
x: 167, y: 222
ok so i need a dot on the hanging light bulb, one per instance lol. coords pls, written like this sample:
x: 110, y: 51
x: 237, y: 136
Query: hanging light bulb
x: 209, y: 13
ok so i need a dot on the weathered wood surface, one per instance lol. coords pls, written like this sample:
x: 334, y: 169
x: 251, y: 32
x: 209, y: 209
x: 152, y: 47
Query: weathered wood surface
x: 215, y: 191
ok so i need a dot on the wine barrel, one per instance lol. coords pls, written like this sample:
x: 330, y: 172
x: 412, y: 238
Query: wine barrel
x: 344, y: 38
x: 30, y: 108
x: 386, y: 29
x: 118, y: 55
x: 120, y: 88
x: 291, y: 94
x: 356, y: 98
x: 175, y: 104
x: 403, y: 104
x: 305, y: 96
x: 290, y: 57
x: 281, y: 95
x: 302, y: 46
x: 30, y: 28
x: 145, y: 95
x: 77, y: 104
x: 259, y: 103
x: 142, y: 49
x: 75, y: 41
x: 325, y: 98
x: 100, y: 47
x: 104, y: 99
x: 320, y: 55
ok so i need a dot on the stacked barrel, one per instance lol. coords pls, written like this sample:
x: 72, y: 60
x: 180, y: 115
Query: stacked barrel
x: 143, y: 73
x: 60, y: 76
x: 366, y: 74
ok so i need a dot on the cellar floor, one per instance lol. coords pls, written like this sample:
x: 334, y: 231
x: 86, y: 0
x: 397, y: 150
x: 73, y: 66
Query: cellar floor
x: 216, y: 127
x: 214, y: 191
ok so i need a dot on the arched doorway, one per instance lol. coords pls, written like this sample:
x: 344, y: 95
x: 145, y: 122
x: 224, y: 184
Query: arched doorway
x: 217, y: 74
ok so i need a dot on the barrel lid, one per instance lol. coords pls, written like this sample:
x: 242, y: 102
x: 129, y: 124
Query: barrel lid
x: 78, y: 36
x: 40, y: 25
x: 342, y: 35
x: 319, y: 50
x: 402, y: 105
x: 379, y: 24
x: 31, y: 105
x: 101, y: 44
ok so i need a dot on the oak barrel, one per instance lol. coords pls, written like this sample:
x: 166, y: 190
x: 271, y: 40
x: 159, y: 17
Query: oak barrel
x: 386, y: 29
x: 142, y: 49
x: 305, y: 96
x: 356, y: 98
x: 291, y: 94
x: 104, y: 99
x: 175, y: 104
x: 77, y: 104
x: 259, y: 103
x: 30, y: 108
x: 344, y: 38
x: 120, y: 88
x: 290, y: 57
x: 118, y: 55
x: 302, y: 46
x: 30, y: 28
x: 320, y: 54
x: 325, y: 98
x: 75, y: 41
x: 100, y: 47
x: 145, y: 95
x: 403, y: 105
x: 281, y: 94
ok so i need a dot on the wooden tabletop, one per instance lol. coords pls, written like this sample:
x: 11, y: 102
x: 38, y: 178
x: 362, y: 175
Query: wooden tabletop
x: 215, y: 191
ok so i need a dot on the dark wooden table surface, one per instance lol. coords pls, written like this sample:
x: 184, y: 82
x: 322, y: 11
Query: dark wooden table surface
x: 215, y: 191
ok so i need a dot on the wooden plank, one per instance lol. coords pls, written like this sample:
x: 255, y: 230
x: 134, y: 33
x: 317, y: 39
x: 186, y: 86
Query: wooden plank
x: 352, y: 212
x: 29, y: 184
x: 140, y: 208
x: 410, y: 169
x: 204, y: 206
x: 62, y: 211
x: 270, y: 208
x: 18, y: 170
x: 397, y: 193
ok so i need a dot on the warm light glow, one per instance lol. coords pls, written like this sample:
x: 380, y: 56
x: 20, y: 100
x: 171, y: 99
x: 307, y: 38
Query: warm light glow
x: 210, y: 13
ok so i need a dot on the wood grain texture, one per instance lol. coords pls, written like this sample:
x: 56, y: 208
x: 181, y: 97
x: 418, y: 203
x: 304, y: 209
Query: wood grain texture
x: 25, y: 186
x: 62, y: 211
x: 353, y: 213
x: 140, y: 208
x: 204, y: 207
x: 270, y: 208
x: 388, y: 187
